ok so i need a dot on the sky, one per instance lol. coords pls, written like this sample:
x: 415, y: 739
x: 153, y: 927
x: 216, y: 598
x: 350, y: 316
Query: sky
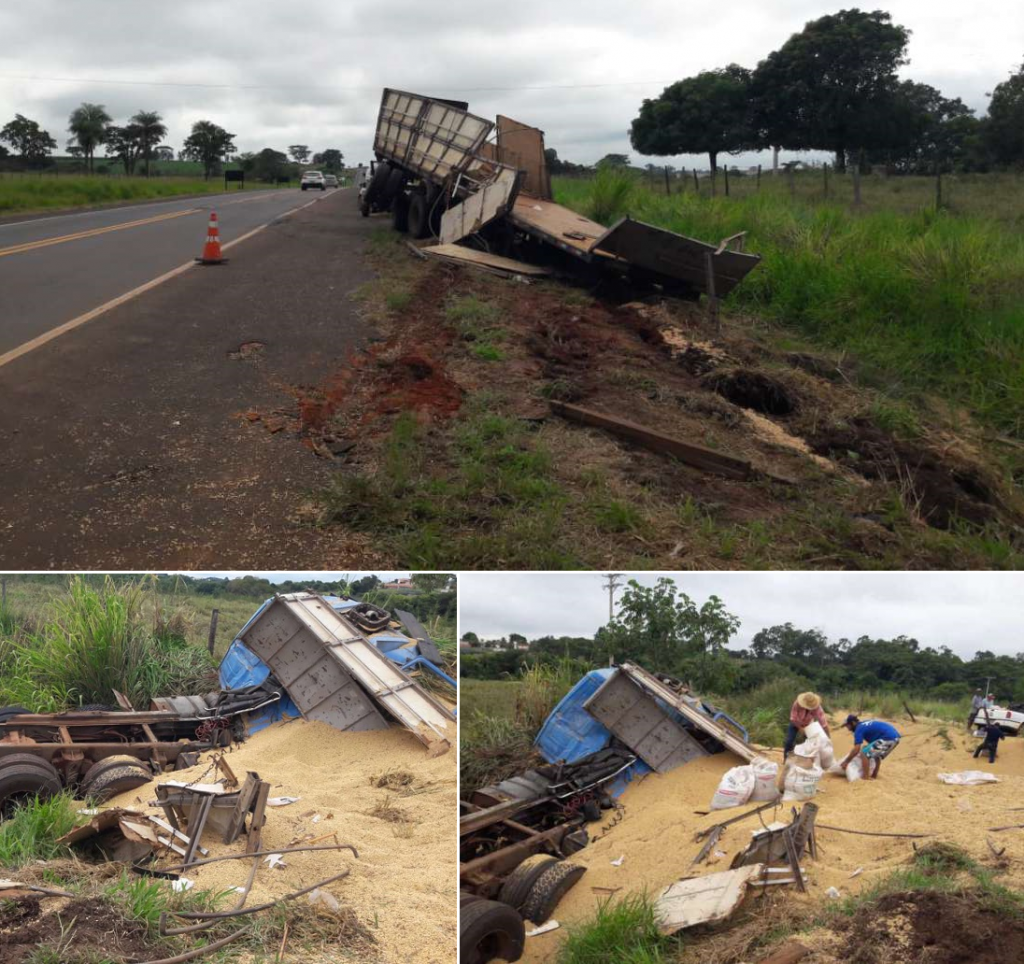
x: 311, y: 73
x: 968, y: 611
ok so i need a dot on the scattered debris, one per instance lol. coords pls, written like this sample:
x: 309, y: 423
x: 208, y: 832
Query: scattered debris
x: 551, y: 925
x: 703, y: 900
x: 618, y: 862
x: 968, y: 778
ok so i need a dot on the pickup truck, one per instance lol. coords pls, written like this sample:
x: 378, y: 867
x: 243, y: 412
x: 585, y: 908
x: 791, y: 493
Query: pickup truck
x: 1008, y: 719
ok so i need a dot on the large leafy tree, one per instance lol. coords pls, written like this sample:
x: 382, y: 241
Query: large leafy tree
x: 124, y: 143
x: 829, y: 86
x: 267, y: 165
x: 28, y: 139
x: 706, y: 114
x: 88, y: 124
x: 330, y: 160
x: 1005, y: 128
x: 208, y: 144
x: 299, y: 153
x: 151, y: 130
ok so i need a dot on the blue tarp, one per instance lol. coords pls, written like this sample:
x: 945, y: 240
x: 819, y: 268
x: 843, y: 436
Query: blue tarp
x: 241, y: 667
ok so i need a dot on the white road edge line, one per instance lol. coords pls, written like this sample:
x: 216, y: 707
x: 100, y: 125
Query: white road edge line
x: 53, y: 333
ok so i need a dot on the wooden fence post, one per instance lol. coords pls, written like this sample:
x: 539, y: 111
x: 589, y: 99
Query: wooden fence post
x: 759, y: 177
x: 696, y: 182
x: 856, y: 183
x: 726, y: 180
x: 668, y: 184
x: 213, y: 629
x: 938, y: 187
x: 824, y: 169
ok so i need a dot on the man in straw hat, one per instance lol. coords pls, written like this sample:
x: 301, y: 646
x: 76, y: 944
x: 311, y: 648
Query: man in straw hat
x: 806, y: 709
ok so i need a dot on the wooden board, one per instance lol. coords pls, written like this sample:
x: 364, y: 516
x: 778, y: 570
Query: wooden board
x: 471, y: 256
x: 557, y: 225
x: 490, y: 201
x: 522, y: 146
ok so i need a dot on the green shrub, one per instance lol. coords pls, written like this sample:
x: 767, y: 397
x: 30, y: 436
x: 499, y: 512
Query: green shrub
x: 32, y: 830
x: 621, y: 932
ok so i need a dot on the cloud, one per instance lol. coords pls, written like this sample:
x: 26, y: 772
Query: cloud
x: 965, y: 611
x: 319, y: 66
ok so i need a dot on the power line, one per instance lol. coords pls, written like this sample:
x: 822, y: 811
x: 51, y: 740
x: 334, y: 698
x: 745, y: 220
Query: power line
x: 338, y: 87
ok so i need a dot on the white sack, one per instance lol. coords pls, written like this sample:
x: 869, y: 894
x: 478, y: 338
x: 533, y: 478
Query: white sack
x: 968, y: 778
x: 735, y: 788
x: 765, y: 774
x: 855, y: 769
x: 800, y: 783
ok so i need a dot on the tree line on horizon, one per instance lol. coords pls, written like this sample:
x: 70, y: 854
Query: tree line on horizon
x: 137, y: 142
x: 667, y: 632
x: 834, y: 87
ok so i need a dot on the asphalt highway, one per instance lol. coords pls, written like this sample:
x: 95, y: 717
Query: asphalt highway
x: 56, y: 269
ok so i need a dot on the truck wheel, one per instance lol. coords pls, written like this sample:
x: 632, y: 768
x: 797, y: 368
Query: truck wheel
x: 24, y: 776
x: 103, y: 782
x: 375, y: 189
x: 489, y: 930
x: 419, y: 216
x: 516, y: 887
x: 549, y: 888
x: 400, y: 213
x: 6, y: 712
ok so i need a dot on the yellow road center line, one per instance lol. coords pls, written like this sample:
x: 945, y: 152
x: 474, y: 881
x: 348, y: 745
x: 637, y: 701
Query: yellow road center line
x: 48, y: 336
x: 61, y: 239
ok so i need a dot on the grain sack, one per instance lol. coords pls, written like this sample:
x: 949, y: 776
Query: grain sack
x: 813, y: 730
x: 855, y: 769
x: 801, y: 782
x: 735, y: 788
x: 765, y: 773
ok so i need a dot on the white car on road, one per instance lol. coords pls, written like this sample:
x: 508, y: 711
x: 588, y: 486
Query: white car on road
x: 313, y: 179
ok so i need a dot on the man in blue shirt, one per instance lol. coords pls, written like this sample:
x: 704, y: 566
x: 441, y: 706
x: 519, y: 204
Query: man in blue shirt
x: 873, y: 739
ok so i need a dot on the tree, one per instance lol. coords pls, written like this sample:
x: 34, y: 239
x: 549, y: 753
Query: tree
x: 124, y: 144
x: 330, y: 160
x: 824, y: 88
x: 267, y: 165
x: 364, y: 585
x: 517, y: 639
x: 208, y: 144
x: 707, y: 114
x: 433, y: 581
x: 28, y: 139
x: 299, y: 153
x: 164, y: 153
x: 87, y: 124
x: 470, y: 639
x: 1005, y: 129
x: 613, y: 160
x: 151, y: 130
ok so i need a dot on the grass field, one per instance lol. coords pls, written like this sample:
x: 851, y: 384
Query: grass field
x: 490, y: 696
x: 932, y: 301
x: 26, y: 193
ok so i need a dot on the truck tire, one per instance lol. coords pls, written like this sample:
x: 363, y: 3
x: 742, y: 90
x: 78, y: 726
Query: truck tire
x: 488, y: 931
x: 419, y: 216
x: 6, y: 712
x: 400, y: 213
x: 101, y: 783
x: 516, y: 887
x: 375, y: 189
x: 549, y: 888
x: 23, y: 776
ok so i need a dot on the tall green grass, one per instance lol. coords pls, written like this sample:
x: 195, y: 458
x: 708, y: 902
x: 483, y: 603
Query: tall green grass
x: 620, y: 932
x: 100, y: 638
x: 32, y: 831
x: 931, y: 301
x: 66, y: 191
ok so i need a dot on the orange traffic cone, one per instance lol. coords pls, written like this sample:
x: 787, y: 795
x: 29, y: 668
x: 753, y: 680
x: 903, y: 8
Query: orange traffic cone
x: 211, y: 250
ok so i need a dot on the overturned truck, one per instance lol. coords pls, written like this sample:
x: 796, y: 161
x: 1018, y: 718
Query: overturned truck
x: 516, y: 837
x: 440, y: 174
x: 322, y: 658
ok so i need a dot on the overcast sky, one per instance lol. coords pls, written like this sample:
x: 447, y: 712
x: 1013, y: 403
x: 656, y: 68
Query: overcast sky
x: 314, y: 70
x: 965, y: 611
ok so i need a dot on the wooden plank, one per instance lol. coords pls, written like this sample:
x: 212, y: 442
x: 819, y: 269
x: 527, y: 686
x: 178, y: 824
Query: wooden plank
x: 259, y: 817
x: 522, y: 146
x: 558, y: 225
x: 243, y: 804
x: 688, y: 452
x: 476, y: 258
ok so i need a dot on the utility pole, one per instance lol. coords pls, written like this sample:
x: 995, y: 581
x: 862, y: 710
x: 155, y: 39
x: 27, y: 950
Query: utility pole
x: 614, y: 582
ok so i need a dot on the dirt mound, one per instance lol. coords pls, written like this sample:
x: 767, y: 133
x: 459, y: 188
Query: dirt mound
x: 943, y: 487
x: 84, y: 930
x: 924, y: 927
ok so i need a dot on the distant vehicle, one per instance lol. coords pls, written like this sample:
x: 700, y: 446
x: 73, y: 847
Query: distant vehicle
x: 1009, y: 719
x: 330, y: 180
x: 313, y: 179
